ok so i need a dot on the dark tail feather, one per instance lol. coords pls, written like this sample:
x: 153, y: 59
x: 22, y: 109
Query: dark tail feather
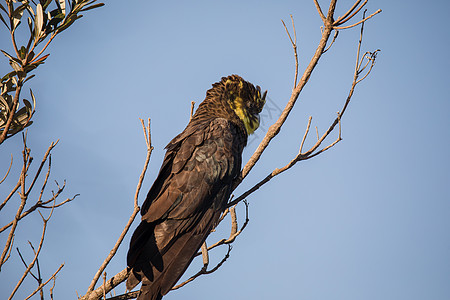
x: 159, y: 272
x: 143, y: 256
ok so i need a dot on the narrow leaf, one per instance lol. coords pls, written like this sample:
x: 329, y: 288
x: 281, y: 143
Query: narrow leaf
x: 28, y: 78
x: 4, y: 22
x: 30, y: 26
x: 33, y: 98
x: 15, y: 66
x: 10, y: 57
x: 3, y: 8
x: 30, y: 11
x: 93, y: 6
x: 62, y: 4
x: 22, y: 52
x: 39, y: 21
x: 4, y: 104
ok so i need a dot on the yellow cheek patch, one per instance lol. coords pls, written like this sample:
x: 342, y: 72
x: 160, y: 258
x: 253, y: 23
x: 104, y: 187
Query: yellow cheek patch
x: 251, y: 123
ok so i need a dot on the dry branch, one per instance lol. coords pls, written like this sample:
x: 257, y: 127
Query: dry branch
x: 312, y: 152
x: 112, y: 253
x: 329, y: 26
x: 42, y: 285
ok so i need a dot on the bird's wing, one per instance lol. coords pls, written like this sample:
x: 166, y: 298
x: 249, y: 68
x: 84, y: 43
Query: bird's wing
x: 190, y: 191
x: 193, y: 172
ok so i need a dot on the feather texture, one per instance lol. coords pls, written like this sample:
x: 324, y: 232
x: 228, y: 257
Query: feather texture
x: 189, y: 193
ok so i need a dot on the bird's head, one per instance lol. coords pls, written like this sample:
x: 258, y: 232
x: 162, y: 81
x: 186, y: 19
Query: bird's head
x: 245, y: 100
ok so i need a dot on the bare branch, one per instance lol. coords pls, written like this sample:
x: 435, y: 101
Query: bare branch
x: 26, y: 158
x: 10, y: 195
x: 44, y: 159
x: 39, y: 205
x: 203, y: 271
x: 306, y: 134
x: 294, y: 45
x: 30, y: 266
x: 234, y: 225
x: 341, y: 20
x: 112, y: 253
x: 357, y: 23
x: 319, y: 10
x: 313, y: 151
x: 336, y: 33
x: 110, y: 284
x: 275, y: 128
x: 104, y: 285
x: 41, y: 286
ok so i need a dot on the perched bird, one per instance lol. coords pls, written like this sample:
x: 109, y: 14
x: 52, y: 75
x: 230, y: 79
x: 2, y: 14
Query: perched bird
x: 193, y: 186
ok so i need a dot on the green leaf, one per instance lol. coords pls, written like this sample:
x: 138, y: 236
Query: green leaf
x: 67, y: 22
x: 22, y: 52
x: 28, y: 78
x: 21, y: 117
x: 17, y: 15
x: 28, y: 106
x: 7, y: 55
x: 93, y: 6
x: 46, y: 4
x: 8, y: 77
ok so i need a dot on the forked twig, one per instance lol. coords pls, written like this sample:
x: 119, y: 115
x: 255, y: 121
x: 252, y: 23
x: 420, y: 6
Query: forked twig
x: 204, y: 271
x: 41, y: 286
x: 357, y: 23
x: 314, y: 150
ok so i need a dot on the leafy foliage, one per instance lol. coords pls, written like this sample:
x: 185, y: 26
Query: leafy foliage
x: 46, y: 19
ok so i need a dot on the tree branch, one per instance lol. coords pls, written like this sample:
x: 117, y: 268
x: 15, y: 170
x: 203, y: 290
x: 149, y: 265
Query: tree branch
x: 112, y: 253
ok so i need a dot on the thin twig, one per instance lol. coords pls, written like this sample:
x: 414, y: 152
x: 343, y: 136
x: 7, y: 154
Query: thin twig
x: 294, y: 45
x: 41, y: 286
x: 313, y: 151
x: 112, y: 253
x: 275, y: 128
x: 7, y: 172
x: 306, y: 133
x: 341, y: 20
x: 336, y: 33
x: 319, y: 10
x: 26, y: 157
x: 203, y: 270
x: 357, y: 23
x: 30, y: 266
x: 44, y: 159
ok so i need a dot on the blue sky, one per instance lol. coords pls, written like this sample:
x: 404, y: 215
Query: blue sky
x: 368, y: 219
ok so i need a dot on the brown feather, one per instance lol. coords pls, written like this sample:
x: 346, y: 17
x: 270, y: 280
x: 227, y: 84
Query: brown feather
x: 189, y: 194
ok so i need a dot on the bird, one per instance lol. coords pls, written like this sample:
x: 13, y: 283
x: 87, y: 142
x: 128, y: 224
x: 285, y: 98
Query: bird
x: 193, y: 186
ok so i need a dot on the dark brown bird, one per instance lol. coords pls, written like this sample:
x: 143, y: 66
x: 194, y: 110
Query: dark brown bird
x: 193, y: 186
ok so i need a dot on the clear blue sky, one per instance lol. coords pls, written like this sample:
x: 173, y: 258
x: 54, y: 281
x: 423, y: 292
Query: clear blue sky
x: 369, y: 219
